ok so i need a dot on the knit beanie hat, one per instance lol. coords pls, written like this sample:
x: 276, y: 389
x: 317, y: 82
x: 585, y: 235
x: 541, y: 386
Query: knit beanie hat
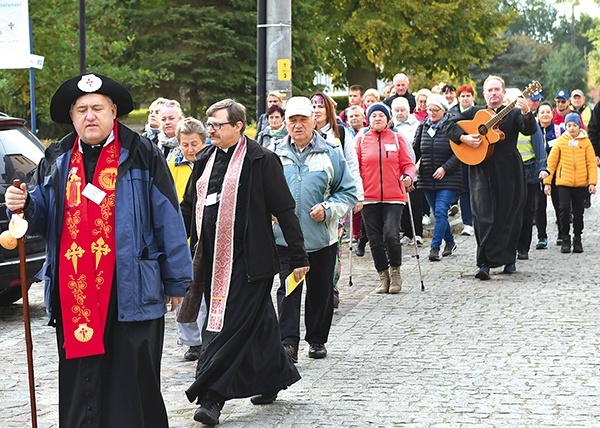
x: 573, y: 117
x: 379, y: 107
x: 438, y: 100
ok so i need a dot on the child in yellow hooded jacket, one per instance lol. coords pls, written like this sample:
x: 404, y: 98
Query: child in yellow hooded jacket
x: 572, y: 161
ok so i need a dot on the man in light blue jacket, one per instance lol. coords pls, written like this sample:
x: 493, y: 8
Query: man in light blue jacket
x: 324, y: 191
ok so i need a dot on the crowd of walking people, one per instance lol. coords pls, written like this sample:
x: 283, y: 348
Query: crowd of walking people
x: 198, y: 216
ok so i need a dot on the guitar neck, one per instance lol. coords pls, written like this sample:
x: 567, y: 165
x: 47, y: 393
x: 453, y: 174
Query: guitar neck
x: 497, y: 118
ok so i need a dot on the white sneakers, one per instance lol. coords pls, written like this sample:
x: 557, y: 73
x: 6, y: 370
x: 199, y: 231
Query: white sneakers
x: 426, y: 220
x: 468, y: 230
x: 409, y: 241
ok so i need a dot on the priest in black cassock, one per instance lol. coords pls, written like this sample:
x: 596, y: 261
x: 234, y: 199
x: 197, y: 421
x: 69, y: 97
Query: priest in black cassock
x: 497, y: 184
x: 235, y: 189
x: 116, y: 253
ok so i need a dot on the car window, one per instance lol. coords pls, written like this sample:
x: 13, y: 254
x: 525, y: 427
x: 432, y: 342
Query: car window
x: 18, y: 155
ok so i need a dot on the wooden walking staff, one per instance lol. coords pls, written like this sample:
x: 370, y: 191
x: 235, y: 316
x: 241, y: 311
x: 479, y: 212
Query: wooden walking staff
x: 17, y: 228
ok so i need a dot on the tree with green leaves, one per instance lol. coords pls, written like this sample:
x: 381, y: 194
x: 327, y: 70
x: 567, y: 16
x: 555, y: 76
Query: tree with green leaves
x: 565, y: 69
x: 519, y: 64
x: 204, y: 51
x: 535, y: 18
x: 366, y: 40
x: 56, y: 37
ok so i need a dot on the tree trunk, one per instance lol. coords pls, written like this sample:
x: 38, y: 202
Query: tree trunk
x: 359, y: 74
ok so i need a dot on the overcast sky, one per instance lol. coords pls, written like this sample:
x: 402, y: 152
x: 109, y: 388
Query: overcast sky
x: 589, y: 7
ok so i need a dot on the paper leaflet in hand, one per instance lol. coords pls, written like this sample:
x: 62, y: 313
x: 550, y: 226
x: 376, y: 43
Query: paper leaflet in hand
x: 291, y: 283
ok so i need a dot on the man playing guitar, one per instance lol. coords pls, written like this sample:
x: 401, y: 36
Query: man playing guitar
x: 497, y: 184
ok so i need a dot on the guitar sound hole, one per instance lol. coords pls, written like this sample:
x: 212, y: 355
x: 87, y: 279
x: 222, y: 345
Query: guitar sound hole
x: 482, y: 129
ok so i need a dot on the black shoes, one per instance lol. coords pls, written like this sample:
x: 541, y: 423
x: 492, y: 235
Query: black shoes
x: 434, y: 254
x: 565, y: 246
x: 317, y: 351
x: 208, y: 413
x: 587, y: 203
x: 292, y: 352
x: 193, y: 353
x: 523, y: 255
x: 577, y: 246
x: 483, y: 273
x: 449, y: 248
x: 360, y: 246
x: 266, y: 398
x: 510, y: 268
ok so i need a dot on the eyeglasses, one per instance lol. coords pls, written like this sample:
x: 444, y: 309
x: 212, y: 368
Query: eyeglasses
x: 560, y: 101
x: 434, y: 111
x: 216, y: 125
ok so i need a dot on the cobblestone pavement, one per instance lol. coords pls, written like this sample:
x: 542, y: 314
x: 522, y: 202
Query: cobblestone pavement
x: 516, y: 351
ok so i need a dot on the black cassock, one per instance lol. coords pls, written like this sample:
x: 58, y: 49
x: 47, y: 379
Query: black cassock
x: 497, y: 189
x: 246, y: 357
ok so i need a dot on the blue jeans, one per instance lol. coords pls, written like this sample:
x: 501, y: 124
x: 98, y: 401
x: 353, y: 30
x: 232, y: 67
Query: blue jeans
x: 439, y: 201
x: 465, y: 198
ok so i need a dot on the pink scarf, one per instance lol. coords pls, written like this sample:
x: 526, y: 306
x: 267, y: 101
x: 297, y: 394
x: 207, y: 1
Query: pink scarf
x: 223, y: 256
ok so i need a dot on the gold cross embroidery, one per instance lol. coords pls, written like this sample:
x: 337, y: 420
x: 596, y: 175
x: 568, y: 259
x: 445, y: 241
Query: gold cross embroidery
x: 100, y: 248
x: 74, y: 253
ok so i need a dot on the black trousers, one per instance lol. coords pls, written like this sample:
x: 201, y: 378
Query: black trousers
x: 541, y: 202
x: 382, y: 221
x: 570, y: 198
x: 528, y: 214
x: 119, y: 389
x: 318, y: 307
x: 416, y: 200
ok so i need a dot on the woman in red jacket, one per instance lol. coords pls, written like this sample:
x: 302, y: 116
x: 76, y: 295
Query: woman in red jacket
x: 386, y: 169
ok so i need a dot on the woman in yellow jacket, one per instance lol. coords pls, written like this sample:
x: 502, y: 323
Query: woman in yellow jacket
x: 573, y: 161
x: 191, y: 138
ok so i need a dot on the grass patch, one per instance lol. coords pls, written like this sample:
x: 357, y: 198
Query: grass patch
x: 140, y: 115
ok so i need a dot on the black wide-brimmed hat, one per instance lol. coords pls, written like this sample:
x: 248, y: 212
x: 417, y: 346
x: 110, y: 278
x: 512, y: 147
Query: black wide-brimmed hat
x: 90, y: 83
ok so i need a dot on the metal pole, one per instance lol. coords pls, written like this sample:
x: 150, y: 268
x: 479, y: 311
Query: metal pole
x: 412, y: 223
x: 279, y: 47
x: 350, y: 250
x: 261, y: 57
x: 82, y: 65
x: 32, y: 109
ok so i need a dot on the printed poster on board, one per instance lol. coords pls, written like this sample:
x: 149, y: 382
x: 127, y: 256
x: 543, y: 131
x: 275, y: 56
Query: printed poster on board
x: 14, y: 34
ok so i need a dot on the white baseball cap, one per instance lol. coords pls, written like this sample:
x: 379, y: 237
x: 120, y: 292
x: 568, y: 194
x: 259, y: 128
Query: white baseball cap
x: 298, y: 106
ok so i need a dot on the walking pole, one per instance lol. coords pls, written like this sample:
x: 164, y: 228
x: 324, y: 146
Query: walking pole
x: 412, y: 223
x: 18, y: 228
x: 350, y: 251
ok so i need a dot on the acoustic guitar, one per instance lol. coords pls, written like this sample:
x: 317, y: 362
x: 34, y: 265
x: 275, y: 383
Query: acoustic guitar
x: 486, y: 123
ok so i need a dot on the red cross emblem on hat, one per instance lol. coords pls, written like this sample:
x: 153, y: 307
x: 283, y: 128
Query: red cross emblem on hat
x: 89, y: 83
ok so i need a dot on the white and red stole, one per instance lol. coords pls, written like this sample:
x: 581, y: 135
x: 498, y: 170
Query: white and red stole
x: 87, y: 250
x: 223, y: 256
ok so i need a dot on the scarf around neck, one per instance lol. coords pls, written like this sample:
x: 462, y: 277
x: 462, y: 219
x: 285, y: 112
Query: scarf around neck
x: 88, y: 249
x: 164, y: 141
x: 223, y: 253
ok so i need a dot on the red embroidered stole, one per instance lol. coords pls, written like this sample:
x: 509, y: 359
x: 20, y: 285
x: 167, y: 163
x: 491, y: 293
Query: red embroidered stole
x: 223, y: 256
x: 88, y: 252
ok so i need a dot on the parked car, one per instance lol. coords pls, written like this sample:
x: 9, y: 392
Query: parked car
x: 20, y: 152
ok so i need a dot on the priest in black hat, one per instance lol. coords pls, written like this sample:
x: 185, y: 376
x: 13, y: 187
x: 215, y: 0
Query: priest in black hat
x: 116, y: 256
